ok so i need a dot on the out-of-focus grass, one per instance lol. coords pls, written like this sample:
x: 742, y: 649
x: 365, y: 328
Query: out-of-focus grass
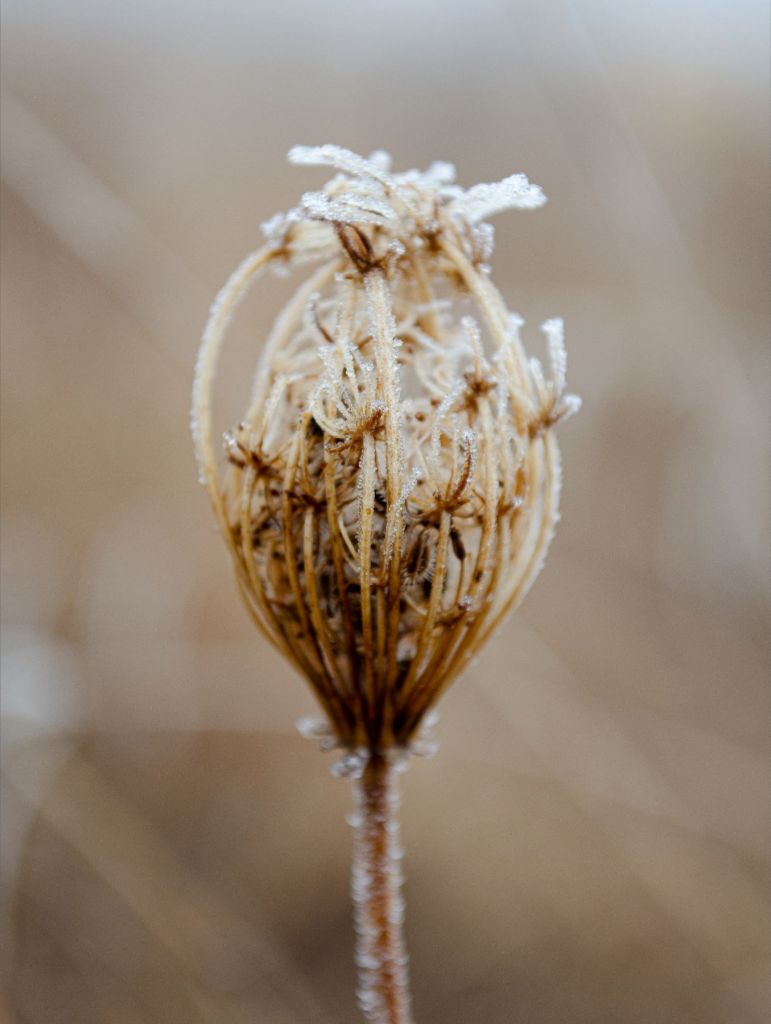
x: 591, y: 841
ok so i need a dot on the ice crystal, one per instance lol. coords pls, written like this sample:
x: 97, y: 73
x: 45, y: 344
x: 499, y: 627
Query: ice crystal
x: 376, y: 167
x: 366, y: 192
x: 318, y: 729
x: 513, y: 193
x: 350, y: 765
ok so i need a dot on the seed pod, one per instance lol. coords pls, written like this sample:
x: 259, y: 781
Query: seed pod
x: 394, y: 483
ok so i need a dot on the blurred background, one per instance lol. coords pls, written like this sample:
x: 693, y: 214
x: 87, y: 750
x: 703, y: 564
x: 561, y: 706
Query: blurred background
x: 591, y: 844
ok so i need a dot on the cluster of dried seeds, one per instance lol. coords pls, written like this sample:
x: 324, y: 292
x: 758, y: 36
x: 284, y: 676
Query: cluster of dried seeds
x: 391, y: 491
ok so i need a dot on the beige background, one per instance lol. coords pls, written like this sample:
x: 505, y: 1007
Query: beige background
x: 591, y: 844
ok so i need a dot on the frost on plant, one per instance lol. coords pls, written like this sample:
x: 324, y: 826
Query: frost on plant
x: 389, y: 494
x: 392, y: 488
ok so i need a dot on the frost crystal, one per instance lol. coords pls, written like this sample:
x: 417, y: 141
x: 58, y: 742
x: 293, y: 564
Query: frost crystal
x: 558, y: 357
x: 350, y: 765
x: 343, y: 160
x: 366, y: 192
x: 426, y: 743
x: 318, y: 729
x: 513, y: 193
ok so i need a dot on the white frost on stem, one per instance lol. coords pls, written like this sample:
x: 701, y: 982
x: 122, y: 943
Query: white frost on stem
x: 376, y: 887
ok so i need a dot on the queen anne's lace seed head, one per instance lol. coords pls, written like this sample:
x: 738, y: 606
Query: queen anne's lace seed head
x: 392, y: 490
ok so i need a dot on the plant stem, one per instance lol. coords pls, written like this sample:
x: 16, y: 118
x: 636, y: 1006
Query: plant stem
x: 376, y: 883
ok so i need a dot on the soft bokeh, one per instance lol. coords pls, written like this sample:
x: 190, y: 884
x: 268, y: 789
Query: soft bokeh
x: 591, y: 844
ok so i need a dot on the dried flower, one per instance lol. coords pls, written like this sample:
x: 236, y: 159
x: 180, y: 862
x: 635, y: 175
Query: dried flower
x: 393, y: 487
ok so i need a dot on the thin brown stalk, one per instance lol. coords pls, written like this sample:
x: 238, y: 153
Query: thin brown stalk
x: 376, y: 884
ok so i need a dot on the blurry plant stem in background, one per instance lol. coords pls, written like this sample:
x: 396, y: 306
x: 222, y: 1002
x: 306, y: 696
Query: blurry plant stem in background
x: 376, y: 884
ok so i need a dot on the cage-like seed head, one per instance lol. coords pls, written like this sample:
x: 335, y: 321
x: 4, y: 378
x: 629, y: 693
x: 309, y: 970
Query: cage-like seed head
x: 392, y: 489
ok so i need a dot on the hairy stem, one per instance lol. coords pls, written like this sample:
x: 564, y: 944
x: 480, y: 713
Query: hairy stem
x: 376, y: 884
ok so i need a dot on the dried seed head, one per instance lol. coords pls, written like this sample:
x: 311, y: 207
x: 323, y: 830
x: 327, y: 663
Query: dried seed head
x: 392, y: 490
